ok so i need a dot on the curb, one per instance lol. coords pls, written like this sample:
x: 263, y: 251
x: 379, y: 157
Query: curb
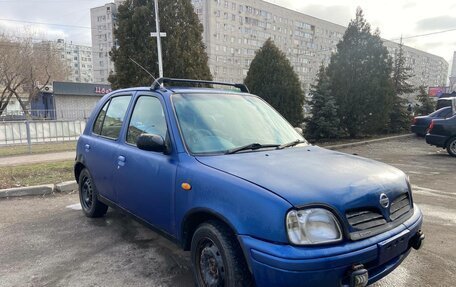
x: 67, y: 186
x: 353, y: 144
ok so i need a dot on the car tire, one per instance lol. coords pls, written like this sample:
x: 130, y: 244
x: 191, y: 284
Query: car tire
x: 88, y: 196
x: 217, y: 258
x: 451, y: 146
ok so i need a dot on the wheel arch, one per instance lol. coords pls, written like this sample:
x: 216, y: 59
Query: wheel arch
x: 449, y: 140
x: 78, y: 167
x: 194, y: 218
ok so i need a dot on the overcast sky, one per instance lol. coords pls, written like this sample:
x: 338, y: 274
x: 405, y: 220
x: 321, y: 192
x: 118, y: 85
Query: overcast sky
x: 393, y: 17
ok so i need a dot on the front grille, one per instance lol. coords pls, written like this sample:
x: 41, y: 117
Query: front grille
x: 365, y: 219
x: 400, y: 206
x: 370, y: 221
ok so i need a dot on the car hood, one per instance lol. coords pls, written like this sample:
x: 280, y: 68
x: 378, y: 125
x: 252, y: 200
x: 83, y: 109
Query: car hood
x: 313, y: 175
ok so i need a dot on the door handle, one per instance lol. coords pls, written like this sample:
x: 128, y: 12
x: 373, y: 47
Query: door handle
x: 87, y: 147
x: 121, y: 160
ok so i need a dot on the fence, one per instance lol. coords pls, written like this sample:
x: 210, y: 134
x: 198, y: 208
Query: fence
x: 29, y: 132
x: 50, y: 114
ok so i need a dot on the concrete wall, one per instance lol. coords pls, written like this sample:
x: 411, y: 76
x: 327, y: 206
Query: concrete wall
x: 75, y: 107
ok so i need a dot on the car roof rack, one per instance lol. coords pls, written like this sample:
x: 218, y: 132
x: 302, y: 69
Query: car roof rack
x: 159, y: 83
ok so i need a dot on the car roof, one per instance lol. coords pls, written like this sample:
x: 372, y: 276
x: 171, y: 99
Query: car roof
x: 168, y: 91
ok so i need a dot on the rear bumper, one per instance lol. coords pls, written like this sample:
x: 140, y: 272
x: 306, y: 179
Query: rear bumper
x: 286, y: 265
x: 436, y: 140
x: 419, y: 130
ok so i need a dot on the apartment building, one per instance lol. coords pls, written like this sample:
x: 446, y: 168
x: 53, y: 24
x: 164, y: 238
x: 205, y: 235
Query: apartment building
x: 235, y: 29
x: 103, y: 20
x: 77, y: 58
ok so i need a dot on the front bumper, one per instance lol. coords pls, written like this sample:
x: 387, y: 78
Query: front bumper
x: 436, y: 140
x: 286, y: 265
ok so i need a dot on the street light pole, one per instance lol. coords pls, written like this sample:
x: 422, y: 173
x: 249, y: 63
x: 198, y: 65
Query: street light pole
x: 159, y: 47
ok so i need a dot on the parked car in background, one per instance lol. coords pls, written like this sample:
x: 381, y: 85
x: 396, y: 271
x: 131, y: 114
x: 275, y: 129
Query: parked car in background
x: 445, y: 102
x: 420, y: 124
x: 224, y: 175
x: 442, y: 133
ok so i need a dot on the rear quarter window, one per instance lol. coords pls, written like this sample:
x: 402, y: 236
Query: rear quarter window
x: 110, y: 119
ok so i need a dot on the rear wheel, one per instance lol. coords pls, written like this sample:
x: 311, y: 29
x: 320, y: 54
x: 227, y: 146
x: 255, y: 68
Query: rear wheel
x: 88, y: 196
x: 451, y: 146
x: 217, y: 258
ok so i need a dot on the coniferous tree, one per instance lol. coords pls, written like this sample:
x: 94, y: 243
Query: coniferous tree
x: 272, y: 77
x: 360, y: 75
x: 427, y: 104
x: 324, y: 122
x: 184, y: 54
x: 400, y: 116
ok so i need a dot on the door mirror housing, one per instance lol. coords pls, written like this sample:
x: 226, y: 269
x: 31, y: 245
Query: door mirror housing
x: 151, y: 142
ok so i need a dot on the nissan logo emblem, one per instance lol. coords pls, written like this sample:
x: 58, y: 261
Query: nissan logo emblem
x: 384, y: 200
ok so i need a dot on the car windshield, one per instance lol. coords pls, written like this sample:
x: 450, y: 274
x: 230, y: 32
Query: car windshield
x: 220, y: 123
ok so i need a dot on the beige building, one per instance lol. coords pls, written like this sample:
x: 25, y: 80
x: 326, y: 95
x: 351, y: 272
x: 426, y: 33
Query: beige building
x: 78, y: 59
x: 235, y: 29
x: 103, y: 21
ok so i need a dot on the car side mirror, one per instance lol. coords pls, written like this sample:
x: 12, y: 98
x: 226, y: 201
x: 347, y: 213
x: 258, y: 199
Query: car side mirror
x: 151, y: 142
x: 299, y: 130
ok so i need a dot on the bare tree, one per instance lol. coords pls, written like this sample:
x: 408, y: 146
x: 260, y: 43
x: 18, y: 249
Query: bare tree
x: 26, y: 68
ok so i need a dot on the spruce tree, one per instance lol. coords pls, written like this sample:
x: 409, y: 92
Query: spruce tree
x: 427, y: 104
x: 324, y: 122
x: 360, y: 75
x: 400, y: 116
x: 272, y: 77
x: 184, y: 54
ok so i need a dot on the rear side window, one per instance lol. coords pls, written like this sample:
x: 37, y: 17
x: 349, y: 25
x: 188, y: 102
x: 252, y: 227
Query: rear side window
x: 148, y: 117
x: 100, y: 119
x: 110, y: 119
x: 446, y: 113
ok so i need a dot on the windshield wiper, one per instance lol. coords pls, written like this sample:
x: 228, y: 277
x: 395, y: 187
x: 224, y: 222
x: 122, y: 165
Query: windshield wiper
x: 290, y: 144
x: 252, y: 146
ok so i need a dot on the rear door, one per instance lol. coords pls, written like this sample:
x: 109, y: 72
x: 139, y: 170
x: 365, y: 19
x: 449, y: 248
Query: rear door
x: 100, y: 147
x: 145, y: 180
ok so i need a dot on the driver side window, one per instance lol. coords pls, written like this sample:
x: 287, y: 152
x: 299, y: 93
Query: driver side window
x: 147, y: 117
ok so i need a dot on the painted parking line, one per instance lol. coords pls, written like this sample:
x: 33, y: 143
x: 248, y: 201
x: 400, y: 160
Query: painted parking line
x: 439, y: 215
x: 432, y: 192
x: 76, y: 206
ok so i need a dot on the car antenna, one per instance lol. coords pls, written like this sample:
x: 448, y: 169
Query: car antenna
x: 144, y: 69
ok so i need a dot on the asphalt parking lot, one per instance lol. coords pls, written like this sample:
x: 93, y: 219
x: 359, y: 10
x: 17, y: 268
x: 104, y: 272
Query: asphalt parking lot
x: 45, y: 241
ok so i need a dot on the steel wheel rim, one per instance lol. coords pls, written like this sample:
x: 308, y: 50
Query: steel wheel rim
x: 453, y: 146
x: 210, y: 264
x: 86, y: 193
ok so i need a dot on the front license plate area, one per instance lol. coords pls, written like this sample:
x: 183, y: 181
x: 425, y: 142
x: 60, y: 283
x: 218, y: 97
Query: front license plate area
x: 393, y: 247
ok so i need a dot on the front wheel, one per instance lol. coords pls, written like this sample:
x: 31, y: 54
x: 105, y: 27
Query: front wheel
x: 451, y: 147
x: 217, y: 258
x: 88, y: 196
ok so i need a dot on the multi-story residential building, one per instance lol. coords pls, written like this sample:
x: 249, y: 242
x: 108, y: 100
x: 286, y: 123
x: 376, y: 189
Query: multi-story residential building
x: 453, y: 74
x: 427, y: 69
x: 103, y: 21
x: 78, y: 59
x: 235, y: 29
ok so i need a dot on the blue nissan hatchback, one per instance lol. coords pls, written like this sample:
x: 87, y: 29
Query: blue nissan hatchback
x: 224, y: 175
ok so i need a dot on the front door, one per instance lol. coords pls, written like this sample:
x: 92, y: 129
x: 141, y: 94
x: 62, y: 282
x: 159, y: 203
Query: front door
x: 144, y: 180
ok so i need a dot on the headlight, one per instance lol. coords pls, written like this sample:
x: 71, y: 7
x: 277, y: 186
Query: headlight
x: 312, y: 226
